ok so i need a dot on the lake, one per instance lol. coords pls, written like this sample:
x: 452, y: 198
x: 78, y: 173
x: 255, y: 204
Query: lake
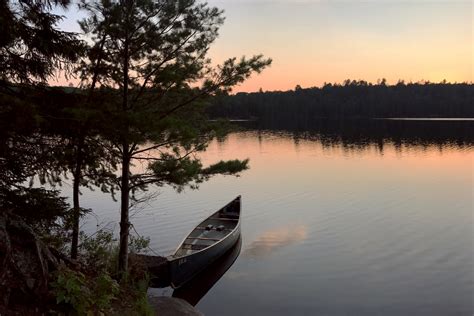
x: 336, y: 221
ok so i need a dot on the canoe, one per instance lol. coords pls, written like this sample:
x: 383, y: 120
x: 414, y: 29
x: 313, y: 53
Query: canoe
x: 206, y: 243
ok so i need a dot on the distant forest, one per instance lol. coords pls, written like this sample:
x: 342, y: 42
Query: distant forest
x: 352, y: 99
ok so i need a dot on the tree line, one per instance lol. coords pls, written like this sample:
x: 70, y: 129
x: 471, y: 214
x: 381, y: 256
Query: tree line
x: 145, y: 84
x: 352, y: 99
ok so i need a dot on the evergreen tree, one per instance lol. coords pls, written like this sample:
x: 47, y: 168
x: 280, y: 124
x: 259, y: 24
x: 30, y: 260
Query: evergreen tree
x: 74, y: 121
x: 157, y: 78
x: 32, y: 49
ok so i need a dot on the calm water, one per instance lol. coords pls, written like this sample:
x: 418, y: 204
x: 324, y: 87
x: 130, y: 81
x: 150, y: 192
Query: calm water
x: 330, y: 227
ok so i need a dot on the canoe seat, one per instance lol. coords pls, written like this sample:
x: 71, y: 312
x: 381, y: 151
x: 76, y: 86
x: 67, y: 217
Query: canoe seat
x: 225, y: 219
x: 204, y: 238
x: 231, y: 215
x: 216, y: 228
x: 193, y: 247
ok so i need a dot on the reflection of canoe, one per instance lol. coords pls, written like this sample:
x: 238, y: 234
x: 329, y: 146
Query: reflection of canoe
x: 194, y: 290
x: 207, y: 242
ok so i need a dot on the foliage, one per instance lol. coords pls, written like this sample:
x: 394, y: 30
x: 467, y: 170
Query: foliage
x: 92, y: 289
x: 24, y: 152
x: 38, y: 206
x: 139, y: 244
x: 145, y: 82
x: 47, y: 213
x: 138, y: 305
x: 85, y: 295
x: 100, y: 250
x: 97, y: 251
x: 149, y: 59
x: 31, y: 47
x: 145, y: 86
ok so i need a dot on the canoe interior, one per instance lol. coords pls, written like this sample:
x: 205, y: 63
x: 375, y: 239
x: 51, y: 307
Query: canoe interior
x: 213, y: 229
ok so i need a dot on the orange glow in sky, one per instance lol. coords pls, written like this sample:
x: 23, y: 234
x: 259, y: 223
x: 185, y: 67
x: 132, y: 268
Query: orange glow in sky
x: 312, y: 42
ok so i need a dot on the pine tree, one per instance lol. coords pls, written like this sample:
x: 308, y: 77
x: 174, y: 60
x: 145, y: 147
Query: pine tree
x: 32, y: 50
x: 157, y: 77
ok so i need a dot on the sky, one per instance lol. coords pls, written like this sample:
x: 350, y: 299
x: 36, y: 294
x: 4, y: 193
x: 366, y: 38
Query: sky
x: 316, y: 41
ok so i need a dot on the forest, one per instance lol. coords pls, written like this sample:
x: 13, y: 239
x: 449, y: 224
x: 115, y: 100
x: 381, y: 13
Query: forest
x: 352, y: 99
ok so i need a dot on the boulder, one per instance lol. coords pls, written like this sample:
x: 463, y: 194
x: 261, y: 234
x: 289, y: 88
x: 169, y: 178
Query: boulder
x: 25, y: 267
x: 171, y: 306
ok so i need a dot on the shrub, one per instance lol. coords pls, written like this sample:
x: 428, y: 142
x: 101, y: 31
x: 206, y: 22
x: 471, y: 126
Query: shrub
x: 84, y: 295
x: 93, y: 289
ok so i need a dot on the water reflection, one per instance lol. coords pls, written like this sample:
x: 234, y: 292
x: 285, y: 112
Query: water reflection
x: 275, y: 239
x: 194, y: 290
x: 357, y: 134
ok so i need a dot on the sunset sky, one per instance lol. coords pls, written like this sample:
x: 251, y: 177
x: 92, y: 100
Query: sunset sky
x: 312, y: 42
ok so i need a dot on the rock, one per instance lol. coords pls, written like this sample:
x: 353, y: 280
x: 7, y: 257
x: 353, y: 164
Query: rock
x: 157, y: 267
x: 25, y: 266
x: 170, y: 306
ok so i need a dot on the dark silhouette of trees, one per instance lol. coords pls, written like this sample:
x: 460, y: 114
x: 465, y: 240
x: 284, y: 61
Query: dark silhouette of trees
x: 31, y: 46
x: 46, y: 132
x: 353, y: 99
x: 145, y: 85
x: 72, y: 123
x: 156, y: 78
x: 32, y: 49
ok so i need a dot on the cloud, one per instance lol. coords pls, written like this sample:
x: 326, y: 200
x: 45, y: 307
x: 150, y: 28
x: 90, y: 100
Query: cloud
x: 275, y: 239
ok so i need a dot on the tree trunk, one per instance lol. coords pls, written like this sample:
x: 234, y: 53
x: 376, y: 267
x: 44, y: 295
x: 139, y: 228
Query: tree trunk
x: 124, y: 212
x: 75, y: 199
x: 77, y: 171
x: 75, y: 218
x: 125, y: 190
